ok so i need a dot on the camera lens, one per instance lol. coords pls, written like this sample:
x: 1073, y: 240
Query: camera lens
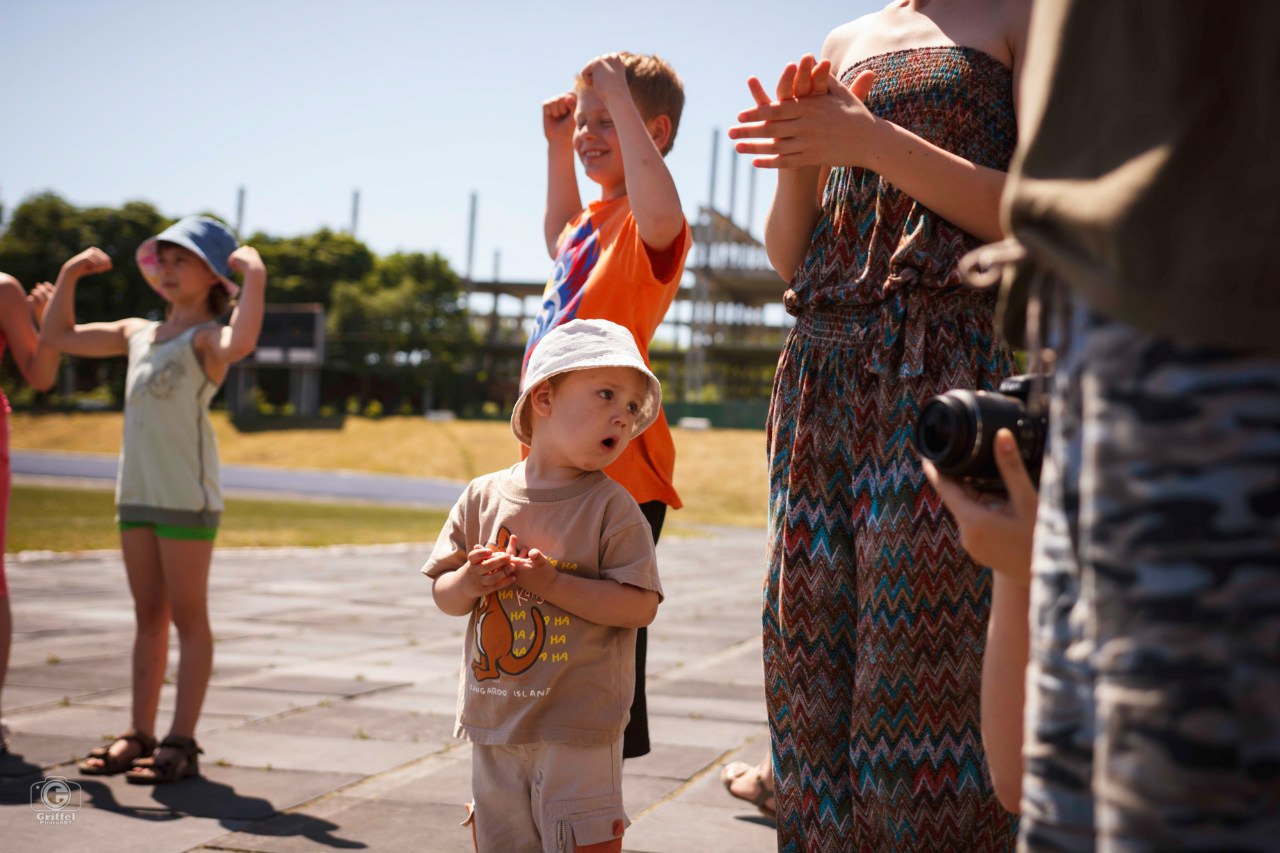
x: 955, y: 432
x: 945, y: 431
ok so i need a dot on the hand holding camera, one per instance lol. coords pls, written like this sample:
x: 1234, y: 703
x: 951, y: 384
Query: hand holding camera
x: 956, y: 431
x: 982, y: 452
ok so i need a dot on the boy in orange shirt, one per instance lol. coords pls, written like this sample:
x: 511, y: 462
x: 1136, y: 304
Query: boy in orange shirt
x: 621, y: 258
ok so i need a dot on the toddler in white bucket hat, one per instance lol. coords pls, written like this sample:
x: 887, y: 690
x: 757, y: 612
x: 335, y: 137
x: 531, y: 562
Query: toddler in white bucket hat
x: 585, y: 345
x: 553, y: 564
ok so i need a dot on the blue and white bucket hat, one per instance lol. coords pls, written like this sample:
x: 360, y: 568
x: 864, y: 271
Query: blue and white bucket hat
x: 212, y: 241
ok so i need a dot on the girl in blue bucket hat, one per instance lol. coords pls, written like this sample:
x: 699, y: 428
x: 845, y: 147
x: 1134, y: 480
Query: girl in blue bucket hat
x: 168, y: 500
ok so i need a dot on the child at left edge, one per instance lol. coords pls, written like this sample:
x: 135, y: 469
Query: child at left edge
x: 554, y: 564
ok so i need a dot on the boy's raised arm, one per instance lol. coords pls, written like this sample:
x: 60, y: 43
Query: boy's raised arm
x: 563, y: 201
x: 655, y: 203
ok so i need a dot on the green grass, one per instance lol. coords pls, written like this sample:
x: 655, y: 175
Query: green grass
x: 720, y: 473
x: 57, y: 519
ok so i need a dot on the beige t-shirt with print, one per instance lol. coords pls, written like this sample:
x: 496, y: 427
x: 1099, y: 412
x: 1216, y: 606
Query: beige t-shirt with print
x: 532, y: 672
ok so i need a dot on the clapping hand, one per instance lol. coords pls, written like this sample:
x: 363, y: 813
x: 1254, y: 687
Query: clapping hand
x: 811, y: 122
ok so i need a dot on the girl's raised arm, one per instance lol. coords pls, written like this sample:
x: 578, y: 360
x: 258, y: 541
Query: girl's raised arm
x: 93, y: 340
x: 236, y: 340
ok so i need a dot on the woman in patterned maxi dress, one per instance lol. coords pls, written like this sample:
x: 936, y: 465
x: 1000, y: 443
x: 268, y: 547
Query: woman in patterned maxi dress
x: 874, y: 617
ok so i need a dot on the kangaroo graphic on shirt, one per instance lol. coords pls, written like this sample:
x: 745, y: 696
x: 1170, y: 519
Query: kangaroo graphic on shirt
x: 494, y: 653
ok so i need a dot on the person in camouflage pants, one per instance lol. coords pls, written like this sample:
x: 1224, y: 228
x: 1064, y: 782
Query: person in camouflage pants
x: 1143, y: 198
x: 1154, y: 683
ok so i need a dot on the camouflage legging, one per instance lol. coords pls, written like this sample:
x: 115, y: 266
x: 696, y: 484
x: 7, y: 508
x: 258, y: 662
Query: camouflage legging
x: 1154, y: 687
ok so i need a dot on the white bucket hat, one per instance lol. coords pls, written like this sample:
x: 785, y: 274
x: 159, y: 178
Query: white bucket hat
x: 584, y: 345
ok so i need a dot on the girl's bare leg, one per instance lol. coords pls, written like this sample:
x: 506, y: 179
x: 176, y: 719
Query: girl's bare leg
x: 151, y: 640
x: 185, y: 565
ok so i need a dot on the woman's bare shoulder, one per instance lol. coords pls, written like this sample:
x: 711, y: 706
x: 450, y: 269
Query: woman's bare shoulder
x: 843, y: 44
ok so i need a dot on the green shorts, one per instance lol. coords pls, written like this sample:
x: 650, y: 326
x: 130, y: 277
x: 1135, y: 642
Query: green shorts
x: 174, y: 531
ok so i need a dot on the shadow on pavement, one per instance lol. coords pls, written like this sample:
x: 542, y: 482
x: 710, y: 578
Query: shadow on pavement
x: 197, y: 797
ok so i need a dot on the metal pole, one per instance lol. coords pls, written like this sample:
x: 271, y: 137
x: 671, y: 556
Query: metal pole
x: 733, y: 183
x: 715, y: 149
x: 355, y: 210
x: 239, y: 210
x: 471, y: 240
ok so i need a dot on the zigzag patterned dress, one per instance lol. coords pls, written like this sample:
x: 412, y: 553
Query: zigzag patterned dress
x: 874, y: 618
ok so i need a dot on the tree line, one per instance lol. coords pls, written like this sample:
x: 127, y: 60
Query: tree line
x: 398, y: 335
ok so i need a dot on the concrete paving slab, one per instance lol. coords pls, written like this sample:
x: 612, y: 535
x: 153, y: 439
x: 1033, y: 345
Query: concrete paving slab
x: 707, y: 706
x: 104, y: 673
x: 95, y: 723
x: 700, y: 733
x: 676, y: 687
x: 344, y: 823
x: 443, y: 778
x: 440, y: 696
x: 248, y: 748
x: 356, y: 668
x: 343, y: 719
x: 243, y: 704
x: 367, y: 618
x: 674, y: 762
x: 641, y: 793
x: 18, y: 697
x: 69, y: 647
x: 104, y: 613
x: 30, y: 752
x: 680, y: 828
x: 344, y: 687
x: 300, y: 645
x: 230, y: 601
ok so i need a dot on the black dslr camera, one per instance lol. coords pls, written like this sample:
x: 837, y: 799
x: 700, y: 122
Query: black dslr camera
x: 955, y: 431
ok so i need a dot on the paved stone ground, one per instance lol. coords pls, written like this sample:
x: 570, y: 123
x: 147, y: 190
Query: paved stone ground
x: 328, y: 723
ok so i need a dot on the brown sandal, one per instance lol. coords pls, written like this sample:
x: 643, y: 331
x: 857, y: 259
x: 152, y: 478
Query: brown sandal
x: 153, y: 771
x: 112, y: 765
x: 763, y: 797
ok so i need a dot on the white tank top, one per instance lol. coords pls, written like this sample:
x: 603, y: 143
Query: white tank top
x: 169, y: 462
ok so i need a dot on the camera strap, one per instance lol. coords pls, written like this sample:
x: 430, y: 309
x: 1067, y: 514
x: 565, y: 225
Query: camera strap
x: 1041, y: 358
x: 1023, y: 309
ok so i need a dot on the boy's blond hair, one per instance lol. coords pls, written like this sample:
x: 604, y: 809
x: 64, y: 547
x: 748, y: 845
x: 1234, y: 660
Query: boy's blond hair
x: 655, y: 87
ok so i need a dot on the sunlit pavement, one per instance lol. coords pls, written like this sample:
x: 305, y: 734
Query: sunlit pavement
x: 328, y: 723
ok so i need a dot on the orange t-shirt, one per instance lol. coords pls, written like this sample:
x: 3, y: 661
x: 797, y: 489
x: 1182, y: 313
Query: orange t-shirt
x: 604, y: 271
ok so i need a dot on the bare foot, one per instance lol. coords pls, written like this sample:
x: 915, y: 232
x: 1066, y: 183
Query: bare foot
x: 752, y: 783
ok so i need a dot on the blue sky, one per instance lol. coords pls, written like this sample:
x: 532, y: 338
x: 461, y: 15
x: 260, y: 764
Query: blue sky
x: 415, y: 104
